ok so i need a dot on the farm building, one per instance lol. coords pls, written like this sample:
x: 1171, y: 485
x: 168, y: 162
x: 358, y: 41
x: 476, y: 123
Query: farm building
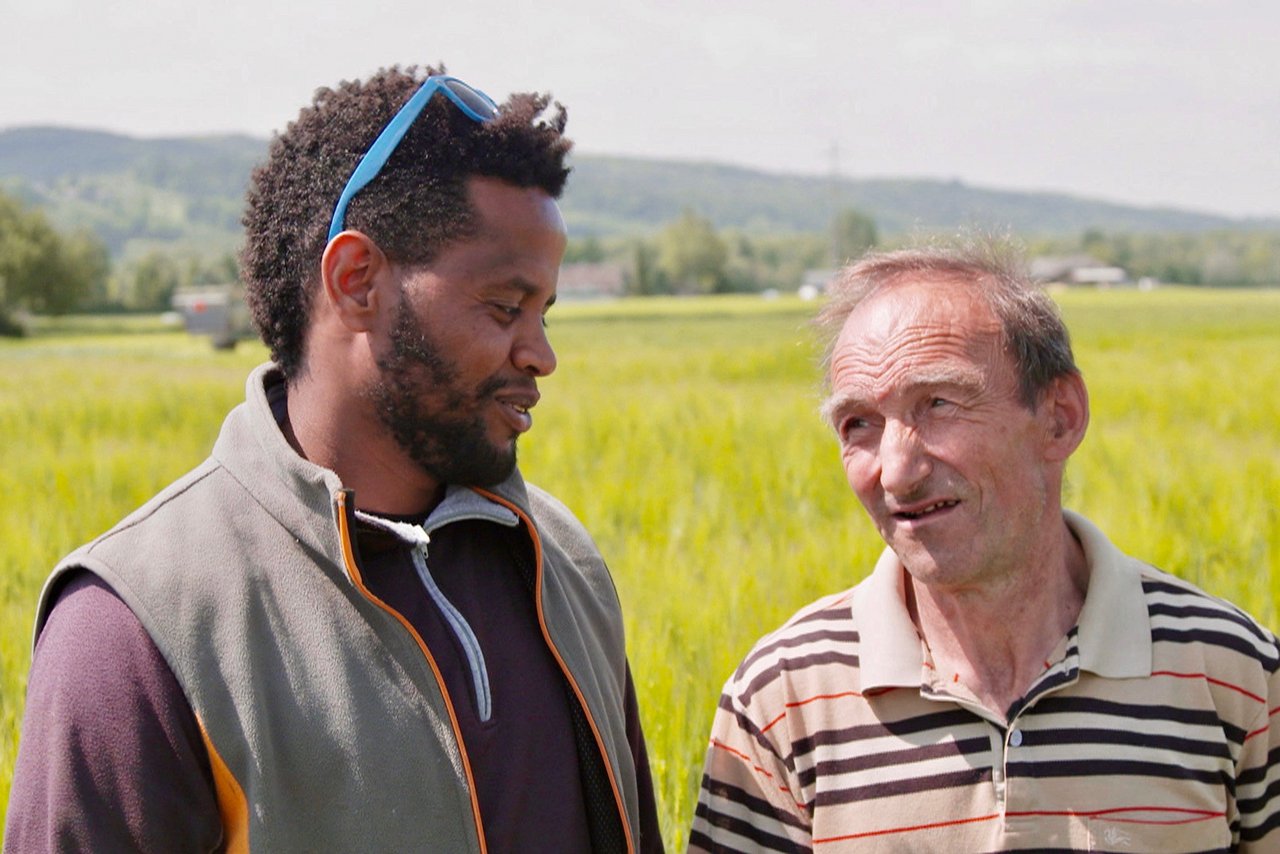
x: 582, y: 280
x: 1076, y: 270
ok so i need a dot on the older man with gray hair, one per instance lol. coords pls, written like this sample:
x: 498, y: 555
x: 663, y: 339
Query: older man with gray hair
x: 1006, y: 678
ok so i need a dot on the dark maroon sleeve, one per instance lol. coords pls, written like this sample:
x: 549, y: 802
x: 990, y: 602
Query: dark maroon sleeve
x: 111, y: 757
x: 650, y: 831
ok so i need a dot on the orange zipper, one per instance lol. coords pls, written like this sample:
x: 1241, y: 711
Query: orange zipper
x: 353, y: 571
x: 546, y: 636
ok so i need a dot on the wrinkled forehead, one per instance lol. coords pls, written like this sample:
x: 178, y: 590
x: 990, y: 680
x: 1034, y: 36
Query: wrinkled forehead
x: 918, y: 321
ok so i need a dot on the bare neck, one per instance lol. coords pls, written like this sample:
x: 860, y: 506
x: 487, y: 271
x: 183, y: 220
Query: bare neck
x: 336, y: 429
x: 996, y: 640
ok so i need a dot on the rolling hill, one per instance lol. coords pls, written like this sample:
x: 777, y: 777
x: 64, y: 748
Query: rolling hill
x: 188, y: 192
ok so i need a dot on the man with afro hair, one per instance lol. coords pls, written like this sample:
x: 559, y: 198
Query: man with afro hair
x: 355, y: 626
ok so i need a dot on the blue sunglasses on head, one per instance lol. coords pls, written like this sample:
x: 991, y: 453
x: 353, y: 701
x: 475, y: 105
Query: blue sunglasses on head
x: 473, y: 103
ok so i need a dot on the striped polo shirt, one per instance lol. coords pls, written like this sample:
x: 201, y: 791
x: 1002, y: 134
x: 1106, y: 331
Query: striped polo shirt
x: 1153, y: 727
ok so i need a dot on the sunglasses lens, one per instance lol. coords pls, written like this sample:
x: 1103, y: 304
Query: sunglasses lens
x: 475, y: 101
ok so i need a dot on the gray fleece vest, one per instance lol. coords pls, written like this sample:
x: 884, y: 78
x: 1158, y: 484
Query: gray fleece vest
x: 327, y: 726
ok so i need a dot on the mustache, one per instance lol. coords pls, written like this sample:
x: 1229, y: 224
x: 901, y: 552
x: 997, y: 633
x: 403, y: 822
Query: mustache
x: 495, y: 384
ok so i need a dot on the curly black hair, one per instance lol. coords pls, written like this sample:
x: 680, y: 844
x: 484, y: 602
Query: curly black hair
x: 413, y: 209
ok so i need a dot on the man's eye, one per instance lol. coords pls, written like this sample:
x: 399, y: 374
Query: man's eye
x: 511, y: 312
x: 939, y: 401
x: 851, y: 426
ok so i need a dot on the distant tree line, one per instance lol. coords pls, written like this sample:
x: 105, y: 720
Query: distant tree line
x: 148, y: 282
x: 690, y: 256
x: 43, y: 271
x: 1216, y: 258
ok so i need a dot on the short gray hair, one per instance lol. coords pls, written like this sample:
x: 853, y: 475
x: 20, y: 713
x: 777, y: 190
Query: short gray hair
x: 995, y: 269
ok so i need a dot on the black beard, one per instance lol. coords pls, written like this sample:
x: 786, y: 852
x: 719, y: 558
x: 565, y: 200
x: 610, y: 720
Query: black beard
x: 438, y: 425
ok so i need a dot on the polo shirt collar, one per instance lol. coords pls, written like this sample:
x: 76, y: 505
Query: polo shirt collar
x: 890, y: 653
x: 1114, y: 635
x: 1113, y: 630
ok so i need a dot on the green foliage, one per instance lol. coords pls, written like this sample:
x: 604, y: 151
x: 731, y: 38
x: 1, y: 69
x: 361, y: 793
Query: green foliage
x: 189, y: 193
x: 1218, y: 258
x: 646, y: 276
x: 155, y: 277
x: 124, y: 189
x: 148, y: 281
x: 764, y: 262
x: 586, y: 250
x: 41, y: 270
x: 750, y: 263
x: 852, y: 233
x: 10, y: 327
x: 684, y: 433
x: 691, y: 256
x: 220, y: 270
x: 183, y: 198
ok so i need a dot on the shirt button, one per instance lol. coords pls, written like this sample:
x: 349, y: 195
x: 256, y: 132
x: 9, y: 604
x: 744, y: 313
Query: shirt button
x: 1015, y: 738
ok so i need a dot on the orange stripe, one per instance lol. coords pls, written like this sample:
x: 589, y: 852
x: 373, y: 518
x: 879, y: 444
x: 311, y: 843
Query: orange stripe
x: 720, y: 745
x: 797, y: 703
x: 1206, y: 677
x: 770, y: 724
x: 546, y: 635
x: 1260, y: 730
x: 911, y: 829
x: 1172, y: 822
x: 233, y: 807
x: 1197, y: 815
x: 349, y: 559
x: 1194, y: 815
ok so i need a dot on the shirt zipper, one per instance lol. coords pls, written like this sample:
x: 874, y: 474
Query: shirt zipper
x: 418, y: 538
x: 345, y: 515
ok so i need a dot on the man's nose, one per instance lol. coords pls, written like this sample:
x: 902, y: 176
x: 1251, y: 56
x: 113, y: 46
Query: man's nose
x: 904, y: 460
x: 532, y: 352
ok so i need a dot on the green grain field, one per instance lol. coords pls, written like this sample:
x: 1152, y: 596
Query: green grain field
x: 684, y: 433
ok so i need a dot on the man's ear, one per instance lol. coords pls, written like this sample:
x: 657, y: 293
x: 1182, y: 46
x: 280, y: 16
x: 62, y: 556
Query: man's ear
x: 1066, y: 409
x: 350, y: 269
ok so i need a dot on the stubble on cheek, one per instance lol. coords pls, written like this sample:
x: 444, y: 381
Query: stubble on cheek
x: 438, y: 424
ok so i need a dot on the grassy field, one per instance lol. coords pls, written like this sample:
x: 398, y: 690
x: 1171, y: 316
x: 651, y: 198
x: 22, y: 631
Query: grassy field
x: 685, y: 434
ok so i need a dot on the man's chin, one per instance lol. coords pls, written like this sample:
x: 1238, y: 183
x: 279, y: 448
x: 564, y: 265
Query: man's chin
x: 468, y: 464
x: 502, y: 471
x: 493, y: 469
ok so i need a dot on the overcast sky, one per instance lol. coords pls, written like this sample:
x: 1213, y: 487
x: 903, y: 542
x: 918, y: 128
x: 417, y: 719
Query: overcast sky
x: 1152, y: 102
